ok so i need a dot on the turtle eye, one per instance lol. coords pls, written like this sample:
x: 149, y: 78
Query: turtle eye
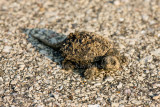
x: 113, y: 61
x: 123, y: 60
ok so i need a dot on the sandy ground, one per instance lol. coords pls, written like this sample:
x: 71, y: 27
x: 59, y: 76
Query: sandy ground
x: 31, y: 77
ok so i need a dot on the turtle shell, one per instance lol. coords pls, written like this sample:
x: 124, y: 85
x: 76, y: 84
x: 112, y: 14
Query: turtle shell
x: 85, y: 47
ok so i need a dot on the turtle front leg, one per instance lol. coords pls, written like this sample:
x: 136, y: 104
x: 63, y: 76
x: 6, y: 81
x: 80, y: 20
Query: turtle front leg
x: 93, y: 73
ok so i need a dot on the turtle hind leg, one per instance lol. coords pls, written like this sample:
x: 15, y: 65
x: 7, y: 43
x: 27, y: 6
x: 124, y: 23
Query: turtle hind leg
x: 91, y: 73
x: 68, y: 65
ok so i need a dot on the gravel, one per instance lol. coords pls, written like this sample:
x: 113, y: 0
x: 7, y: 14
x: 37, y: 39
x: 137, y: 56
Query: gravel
x: 30, y: 74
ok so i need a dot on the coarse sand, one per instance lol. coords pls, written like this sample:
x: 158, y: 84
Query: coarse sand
x: 30, y: 75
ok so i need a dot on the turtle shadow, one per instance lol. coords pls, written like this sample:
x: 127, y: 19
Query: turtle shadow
x: 39, y: 46
x: 53, y: 54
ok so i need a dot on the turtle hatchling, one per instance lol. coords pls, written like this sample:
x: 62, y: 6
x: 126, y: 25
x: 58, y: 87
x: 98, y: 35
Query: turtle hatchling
x: 86, y: 51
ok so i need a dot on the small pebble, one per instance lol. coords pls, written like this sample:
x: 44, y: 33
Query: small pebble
x: 43, y: 52
x: 1, y: 80
x: 132, y: 41
x: 115, y: 104
x: 1, y: 91
x: 156, y: 85
x: 99, y: 99
x: 77, y: 91
x: 145, y: 17
x: 117, y: 2
x: 140, y: 78
x: 146, y: 59
x: 110, y: 79
x: 127, y: 91
x: 122, y: 46
x: 119, y: 85
x: 136, y: 102
x: 152, y: 22
x: 96, y: 105
x: 22, y: 67
x: 56, y: 95
x: 40, y: 105
x: 131, y: 52
x: 156, y: 52
x: 121, y: 19
x: 7, y: 49
x: 143, y: 32
x: 156, y: 97
x: 98, y: 84
x: 14, y: 82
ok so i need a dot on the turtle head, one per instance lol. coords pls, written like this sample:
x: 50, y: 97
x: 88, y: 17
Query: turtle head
x: 113, y: 60
x: 110, y: 63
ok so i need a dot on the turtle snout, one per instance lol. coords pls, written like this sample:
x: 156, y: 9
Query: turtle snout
x: 110, y: 63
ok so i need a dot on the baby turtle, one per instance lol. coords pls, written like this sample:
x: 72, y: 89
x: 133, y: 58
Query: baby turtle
x: 85, y: 50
